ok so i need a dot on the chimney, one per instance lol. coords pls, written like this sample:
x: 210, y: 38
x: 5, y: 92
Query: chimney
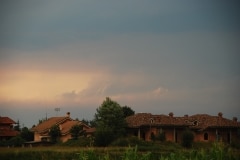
x: 170, y: 114
x: 220, y: 114
x: 68, y: 114
x: 235, y: 119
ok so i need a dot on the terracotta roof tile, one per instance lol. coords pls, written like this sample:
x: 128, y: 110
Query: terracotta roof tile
x: 198, y: 121
x: 65, y: 127
x: 46, y: 125
x: 65, y: 124
x: 6, y: 120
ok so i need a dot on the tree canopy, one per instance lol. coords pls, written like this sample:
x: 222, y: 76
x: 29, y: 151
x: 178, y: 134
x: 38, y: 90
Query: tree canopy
x: 110, y: 122
x: 54, y: 133
x: 127, y: 111
x: 76, y: 131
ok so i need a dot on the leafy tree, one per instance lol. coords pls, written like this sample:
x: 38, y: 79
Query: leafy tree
x: 127, y: 111
x: 90, y: 123
x: 187, y: 138
x: 26, y: 134
x: 54, y: 133
x: 76, y: 131
x: 110, y: 122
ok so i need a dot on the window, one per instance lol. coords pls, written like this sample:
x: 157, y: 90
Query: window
x: 195, y: 123
x: 151, y: 120
x: 205, y: 136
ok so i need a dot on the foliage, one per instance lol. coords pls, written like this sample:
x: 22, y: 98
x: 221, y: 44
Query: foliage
x: 187, y: 138
x: 76, y: 131
x: 26, y: 134
x: 80, y: 142
x: 87, y: 155
x: 159, y: 137
x: 17, y: 127
x: 131, y: 154
x: 90, y: 123
x: 127, y: 111
x: 54, y: 133
x: 217, y: 151
x: 104, y: 136
x: 130, y: 141
x: 16, y: 141
x: 110, y: 122
x: 162, y: 137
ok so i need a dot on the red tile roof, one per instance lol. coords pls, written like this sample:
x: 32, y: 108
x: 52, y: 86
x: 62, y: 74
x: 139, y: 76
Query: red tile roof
x: 6, y: 127
x: 6, y: 120
x: 46, y: 125
x: 65, y: 127
x: 65, y: 124
x: 199, y: 121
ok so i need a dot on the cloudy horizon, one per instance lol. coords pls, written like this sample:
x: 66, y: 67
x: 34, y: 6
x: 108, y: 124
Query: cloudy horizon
x: 153, y: 56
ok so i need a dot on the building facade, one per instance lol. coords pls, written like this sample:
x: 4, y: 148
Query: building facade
x: 206, y: 128
x: 7, y: 128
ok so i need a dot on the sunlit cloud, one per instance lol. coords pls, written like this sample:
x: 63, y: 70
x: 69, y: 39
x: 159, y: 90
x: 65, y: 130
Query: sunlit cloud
x: 41, y: 85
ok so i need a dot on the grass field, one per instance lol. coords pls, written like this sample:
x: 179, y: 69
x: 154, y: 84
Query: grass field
x: 164, y: 151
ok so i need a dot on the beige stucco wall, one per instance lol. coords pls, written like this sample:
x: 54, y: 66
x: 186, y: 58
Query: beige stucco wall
x: 65, y: 138
x: 37, y: 136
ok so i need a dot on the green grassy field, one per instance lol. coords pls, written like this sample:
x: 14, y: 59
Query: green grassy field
x: 163, y: 151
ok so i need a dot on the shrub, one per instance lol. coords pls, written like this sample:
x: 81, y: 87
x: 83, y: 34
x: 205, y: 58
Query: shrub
x: 130, y: 141
x: 162, y: 137
x: 80, y: 142
x: 15, y: 141
x: 187, y: 138
x: 54, y: 133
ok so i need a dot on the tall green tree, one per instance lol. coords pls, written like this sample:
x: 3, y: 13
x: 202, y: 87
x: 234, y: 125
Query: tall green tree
x: 127, y: 111
x: 54, y: 133
x: 110, y: 122
x: 26, y: 134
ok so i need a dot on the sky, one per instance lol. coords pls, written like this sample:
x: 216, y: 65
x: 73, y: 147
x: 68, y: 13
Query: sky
x: 155, y: 56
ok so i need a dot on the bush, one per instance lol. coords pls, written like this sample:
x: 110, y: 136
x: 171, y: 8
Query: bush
x: 103, y: 136
x: 161, y: 137
x: 130, y: 141
x: 80, y: 142
x: 15, y: 141
x: 187, y: 138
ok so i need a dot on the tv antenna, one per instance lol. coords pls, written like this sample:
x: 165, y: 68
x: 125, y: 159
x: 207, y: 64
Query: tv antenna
x: 57, y: 110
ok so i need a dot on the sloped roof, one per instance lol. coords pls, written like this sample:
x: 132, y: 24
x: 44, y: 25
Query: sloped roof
x: 46, y: 125
x: 65, y: 127
x: 203, y: 121
x: 198, y: 121
x: 147, y: 119
x: 6, y: 120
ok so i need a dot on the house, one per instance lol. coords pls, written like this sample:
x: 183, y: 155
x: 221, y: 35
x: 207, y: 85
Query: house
x: 6, y: 128
x: 205, y: 127
x: 65, y: 123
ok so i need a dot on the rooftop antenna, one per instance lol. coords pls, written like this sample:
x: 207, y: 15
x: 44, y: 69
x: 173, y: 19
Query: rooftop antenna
x: 57, y: 110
